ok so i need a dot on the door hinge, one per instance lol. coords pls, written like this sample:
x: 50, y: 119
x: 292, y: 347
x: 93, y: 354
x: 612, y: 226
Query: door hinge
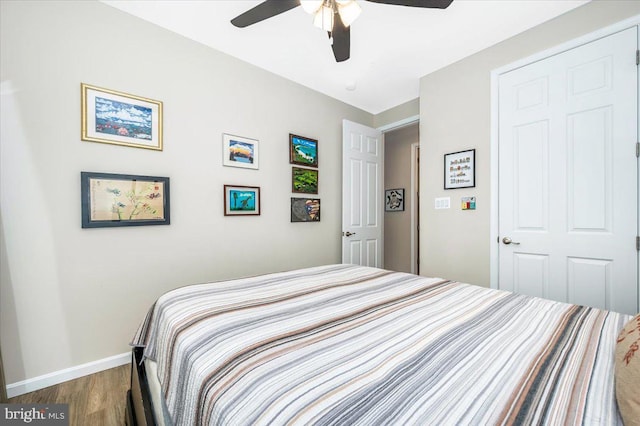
x: 637, y: 243
x: 637, y: 149
x: 637, y: 57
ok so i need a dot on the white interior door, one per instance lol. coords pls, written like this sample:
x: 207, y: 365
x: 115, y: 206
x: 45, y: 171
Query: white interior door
x: 568, y: 186
x: 362, y: 187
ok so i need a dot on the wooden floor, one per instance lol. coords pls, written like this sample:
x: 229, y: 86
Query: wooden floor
x: 98, y: 399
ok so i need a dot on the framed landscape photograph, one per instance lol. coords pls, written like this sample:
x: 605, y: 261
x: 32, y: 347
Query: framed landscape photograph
x: 110, y: 200
x: 303, y: 151
x: 241, y: 200
x: 394, y: 200
x: 120, y: 119
x: 460, y: 169
x: 305, y: 210
x: 304, y: 180
x: 239, y: 152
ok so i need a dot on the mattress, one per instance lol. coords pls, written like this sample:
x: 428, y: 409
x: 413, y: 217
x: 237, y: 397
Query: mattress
x: 345, y: 344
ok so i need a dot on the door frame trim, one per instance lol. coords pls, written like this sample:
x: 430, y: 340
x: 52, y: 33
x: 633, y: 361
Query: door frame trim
x: 494, y: 231
x: 399, y: 124
x: 415, y: 218
x: 405, y: 122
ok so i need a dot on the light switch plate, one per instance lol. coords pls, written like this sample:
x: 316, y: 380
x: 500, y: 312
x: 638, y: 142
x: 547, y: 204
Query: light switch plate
x: 443, y: 203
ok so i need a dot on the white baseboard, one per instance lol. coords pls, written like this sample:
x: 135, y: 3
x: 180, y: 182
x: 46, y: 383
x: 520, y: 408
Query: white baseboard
x: 50, y: 379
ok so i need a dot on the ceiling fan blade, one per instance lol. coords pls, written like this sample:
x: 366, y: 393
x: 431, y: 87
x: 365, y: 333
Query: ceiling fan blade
x: 436, y: 4
x: 263, y: 11
x: 341, y: 36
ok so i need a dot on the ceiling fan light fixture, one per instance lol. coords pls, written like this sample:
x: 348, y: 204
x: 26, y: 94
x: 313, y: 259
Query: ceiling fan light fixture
x: 349, y: 11
x: 311, y: 6
x: 324, y: 18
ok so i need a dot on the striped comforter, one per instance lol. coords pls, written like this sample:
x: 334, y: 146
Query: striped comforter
x: 351, y: 345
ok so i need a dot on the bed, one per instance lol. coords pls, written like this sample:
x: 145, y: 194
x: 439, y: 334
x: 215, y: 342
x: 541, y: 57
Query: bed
x: 352, y: 345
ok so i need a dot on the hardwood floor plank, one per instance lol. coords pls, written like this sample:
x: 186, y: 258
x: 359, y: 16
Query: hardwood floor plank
x: 98, y: 399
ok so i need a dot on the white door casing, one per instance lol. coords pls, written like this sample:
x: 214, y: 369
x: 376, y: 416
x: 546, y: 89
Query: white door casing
x: 415, y: 208
x: 568, y: 183
x: 362, y: 188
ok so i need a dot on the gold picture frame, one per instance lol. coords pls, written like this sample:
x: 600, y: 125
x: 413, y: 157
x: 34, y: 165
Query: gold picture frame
x: 118, y: 118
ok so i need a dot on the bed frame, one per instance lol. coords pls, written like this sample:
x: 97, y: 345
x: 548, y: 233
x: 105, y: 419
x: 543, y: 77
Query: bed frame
x: 139, y: 410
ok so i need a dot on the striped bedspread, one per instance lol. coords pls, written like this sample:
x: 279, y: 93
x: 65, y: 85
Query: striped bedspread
x: 351, y: 345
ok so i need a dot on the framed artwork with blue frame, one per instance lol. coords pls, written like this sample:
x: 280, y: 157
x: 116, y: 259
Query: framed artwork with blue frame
x: 110, y: 200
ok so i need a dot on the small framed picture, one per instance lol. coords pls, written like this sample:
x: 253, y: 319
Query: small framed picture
x: 305, y: 210
x: 304, y: 180
x: 239, y: 152
x: 241, y: 200
x: 394, y: 200
x: 120, y: 119
x: 303, y: 151
x: 110, y: 200
x: 460, y: 169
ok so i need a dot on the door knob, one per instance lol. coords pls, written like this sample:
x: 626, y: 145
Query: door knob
x: 508, y: 240
x: 348, y: 234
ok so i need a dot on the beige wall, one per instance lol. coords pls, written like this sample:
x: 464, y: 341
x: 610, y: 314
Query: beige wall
x: 455, y: 115
x: 71, y: 295
x: 397, y: 174
x: 397, y: 113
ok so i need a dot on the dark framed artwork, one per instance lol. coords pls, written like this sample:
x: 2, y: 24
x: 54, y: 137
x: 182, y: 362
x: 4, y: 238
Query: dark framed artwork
x: 304, y: 180
x: 241, y: 200
x: 460, y: 169
x: 305, y: 210
x: 303, y: 151
x: 119, y: 118
x: 394, y: 200
x: 110, y: 200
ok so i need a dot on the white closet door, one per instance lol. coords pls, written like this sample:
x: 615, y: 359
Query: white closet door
x: 568, y: 191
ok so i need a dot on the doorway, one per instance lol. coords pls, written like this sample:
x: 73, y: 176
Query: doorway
x: 401, y: 226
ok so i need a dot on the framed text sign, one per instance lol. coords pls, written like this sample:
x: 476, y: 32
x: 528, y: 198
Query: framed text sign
x: 460, y: 169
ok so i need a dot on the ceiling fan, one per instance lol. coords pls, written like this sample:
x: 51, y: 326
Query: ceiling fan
x: 333, y: 16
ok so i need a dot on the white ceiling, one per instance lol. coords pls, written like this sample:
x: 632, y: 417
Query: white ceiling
x: 391, y: 46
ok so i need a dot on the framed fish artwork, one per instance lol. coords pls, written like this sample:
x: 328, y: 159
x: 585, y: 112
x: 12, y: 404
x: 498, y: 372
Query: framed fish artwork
x: 241, y: 200
x: 110, y: 200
